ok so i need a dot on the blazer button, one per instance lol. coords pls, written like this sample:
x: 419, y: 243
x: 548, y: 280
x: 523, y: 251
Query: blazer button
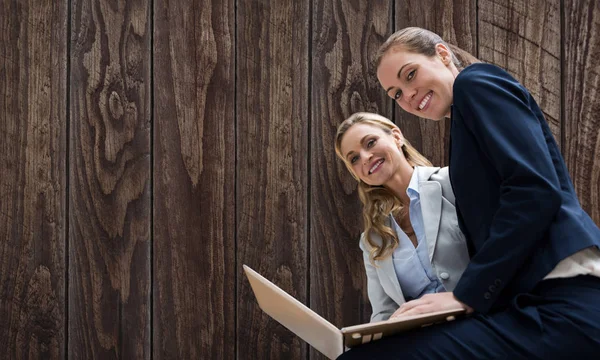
x: 444, y: 276
x: 498, y: 282
x: 487, y: 296
x: 492, y: 288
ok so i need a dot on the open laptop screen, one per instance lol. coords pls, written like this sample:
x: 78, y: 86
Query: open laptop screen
x: 295, y: 316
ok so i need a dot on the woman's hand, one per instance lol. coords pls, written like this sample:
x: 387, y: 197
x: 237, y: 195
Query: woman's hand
x: 430, y: 303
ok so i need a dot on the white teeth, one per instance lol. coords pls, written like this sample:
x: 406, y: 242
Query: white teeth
x: 375, y: 166
x: 425, y: 101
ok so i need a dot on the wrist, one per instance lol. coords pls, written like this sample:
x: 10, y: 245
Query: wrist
x: 465, y: 306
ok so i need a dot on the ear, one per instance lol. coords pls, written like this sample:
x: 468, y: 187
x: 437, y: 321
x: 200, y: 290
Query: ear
x: 444, y: 53
x: 398, y: 137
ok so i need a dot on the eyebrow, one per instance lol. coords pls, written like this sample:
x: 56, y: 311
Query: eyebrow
x: 397, y: 76
x: 361, y: 142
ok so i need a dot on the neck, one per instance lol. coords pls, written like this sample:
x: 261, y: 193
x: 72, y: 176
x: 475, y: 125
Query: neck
x: 399, y: 182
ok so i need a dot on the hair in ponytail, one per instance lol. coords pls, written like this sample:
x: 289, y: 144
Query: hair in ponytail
x: 422, y: 41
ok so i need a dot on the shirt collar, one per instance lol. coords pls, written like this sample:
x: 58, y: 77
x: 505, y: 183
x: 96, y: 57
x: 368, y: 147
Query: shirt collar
x: 413, y: 185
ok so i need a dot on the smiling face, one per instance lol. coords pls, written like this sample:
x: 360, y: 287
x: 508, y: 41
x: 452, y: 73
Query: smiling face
x: 372, y: 154
x: 421, y: 85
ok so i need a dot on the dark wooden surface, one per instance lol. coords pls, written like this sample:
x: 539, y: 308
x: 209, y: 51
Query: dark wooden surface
x: 523, y: 37
x: 272, y: 118
x: 345, y: 37
x: 194, y: 180
x: 148, y: 149
x: 581, y: 122
x: 33, y: 122
x: 109, y: 193
x: 455, y: 22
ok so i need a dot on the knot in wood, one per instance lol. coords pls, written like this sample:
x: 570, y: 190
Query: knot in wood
x: 115, y: 106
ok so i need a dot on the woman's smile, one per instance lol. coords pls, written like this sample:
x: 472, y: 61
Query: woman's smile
x: 425, y: 102
x: 376, y: 166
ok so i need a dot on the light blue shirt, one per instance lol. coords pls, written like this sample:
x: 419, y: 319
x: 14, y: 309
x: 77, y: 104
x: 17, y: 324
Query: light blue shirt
x: 412, y: 265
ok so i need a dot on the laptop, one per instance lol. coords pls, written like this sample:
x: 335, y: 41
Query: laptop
x: 320, y: 333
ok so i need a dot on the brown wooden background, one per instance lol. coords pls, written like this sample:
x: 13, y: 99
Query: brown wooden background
x: 149, y: 148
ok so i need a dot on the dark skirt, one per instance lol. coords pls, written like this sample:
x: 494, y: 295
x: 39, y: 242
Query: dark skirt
x: 559, y: 319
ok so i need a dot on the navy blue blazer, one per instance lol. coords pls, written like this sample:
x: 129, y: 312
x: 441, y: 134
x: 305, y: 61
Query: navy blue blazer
x: 515, y: 200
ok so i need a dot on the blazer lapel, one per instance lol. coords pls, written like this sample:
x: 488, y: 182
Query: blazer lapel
x: 387, y: 271
x: 431, y: 207
x: 387, y: 266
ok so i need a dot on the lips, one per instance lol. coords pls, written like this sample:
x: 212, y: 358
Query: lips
x: 425, y: 101
x: 376, y: 166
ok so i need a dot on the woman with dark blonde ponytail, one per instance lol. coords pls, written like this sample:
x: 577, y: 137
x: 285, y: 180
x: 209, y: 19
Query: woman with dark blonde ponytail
x: 411, y: 243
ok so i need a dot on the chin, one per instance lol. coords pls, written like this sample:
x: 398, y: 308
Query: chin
x: 431, y: 118
x: 371, y: 183
x: 436, y: 117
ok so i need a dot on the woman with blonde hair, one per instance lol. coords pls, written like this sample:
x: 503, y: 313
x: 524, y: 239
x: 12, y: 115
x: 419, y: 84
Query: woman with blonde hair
x: 411, y: 243
x: 532, y: 284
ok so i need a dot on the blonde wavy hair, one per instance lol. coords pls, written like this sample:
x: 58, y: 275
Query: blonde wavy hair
x: 422, y: 41
x: 378, y: 202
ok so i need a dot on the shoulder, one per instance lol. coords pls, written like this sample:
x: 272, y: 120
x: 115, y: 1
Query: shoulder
x: 441, y: 174
x: 442, y: 177
x: 362, y: 243
x: 481, y: 71
x: 427, y: 173
x: 375, y: 237
x: 483, y: 75
x: 487, y: 91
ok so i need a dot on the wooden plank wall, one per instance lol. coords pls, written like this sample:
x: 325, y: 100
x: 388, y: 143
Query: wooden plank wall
x: 109, y: 192
x: 149, y: 148
x: 580, y: 70
x: 272, y: 118
x: 33, y: 179
x: 193, y: 286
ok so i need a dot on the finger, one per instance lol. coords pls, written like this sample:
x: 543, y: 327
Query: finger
x: 409, y: 305
x: 418, y: 310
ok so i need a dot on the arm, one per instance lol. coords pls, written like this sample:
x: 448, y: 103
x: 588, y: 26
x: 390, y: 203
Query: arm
x: 383, y: 306
x: 496, y: 110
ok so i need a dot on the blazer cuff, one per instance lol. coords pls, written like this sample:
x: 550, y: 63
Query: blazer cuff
x: 481, y: 298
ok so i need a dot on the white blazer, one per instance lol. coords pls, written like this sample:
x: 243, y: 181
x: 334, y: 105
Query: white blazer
x: 446, y: 245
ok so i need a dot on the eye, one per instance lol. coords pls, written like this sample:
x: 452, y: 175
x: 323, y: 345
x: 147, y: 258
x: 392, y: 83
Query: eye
x: 353, y: 159
x: 397, y: 94
x: 370, y: 143
x: 411, y: 75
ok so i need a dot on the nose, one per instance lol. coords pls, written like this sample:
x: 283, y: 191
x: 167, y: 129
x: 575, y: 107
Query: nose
x: 407, y: 97
x: 367, y: 156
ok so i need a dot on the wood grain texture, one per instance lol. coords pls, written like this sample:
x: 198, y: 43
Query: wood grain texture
x: 272, y: 150
x: 455, y: 22
x: 346, y: 36
x: 268, y: 98
x: 194, y: 176
x: 33, y: 103
x: 582, y: 107
x: 109, y: 199
x: 523, y: 37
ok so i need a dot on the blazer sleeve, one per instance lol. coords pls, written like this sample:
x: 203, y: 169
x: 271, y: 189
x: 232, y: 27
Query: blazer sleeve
x: 496, y: 109
x: 383, y: 306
